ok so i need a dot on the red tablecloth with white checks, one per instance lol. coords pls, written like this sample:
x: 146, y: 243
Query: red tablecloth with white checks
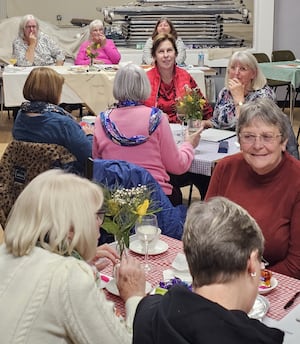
x: 278, y: 297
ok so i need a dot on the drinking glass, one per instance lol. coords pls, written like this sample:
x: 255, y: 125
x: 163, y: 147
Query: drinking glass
x: 181, y: 117
x: 146, y: 229
x: 12, y: 60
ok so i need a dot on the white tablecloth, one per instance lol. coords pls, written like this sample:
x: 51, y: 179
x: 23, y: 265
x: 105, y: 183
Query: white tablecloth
x: 206, y: 154
x: 92, y: 88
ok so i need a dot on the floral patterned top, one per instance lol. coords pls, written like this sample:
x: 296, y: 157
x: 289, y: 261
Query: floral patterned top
x: 224, y: 116
x: 46, y: 52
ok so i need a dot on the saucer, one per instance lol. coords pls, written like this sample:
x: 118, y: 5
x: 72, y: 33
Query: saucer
x: 113, y: 289
x: 160, y: 247
x: 274, y: 284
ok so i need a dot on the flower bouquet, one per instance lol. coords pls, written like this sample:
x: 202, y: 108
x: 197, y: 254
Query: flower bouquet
x: 191, y: 103
x: 91, y: 51
x: 122, y: 208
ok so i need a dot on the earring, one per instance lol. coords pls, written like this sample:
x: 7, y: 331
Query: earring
x: 253, y: 274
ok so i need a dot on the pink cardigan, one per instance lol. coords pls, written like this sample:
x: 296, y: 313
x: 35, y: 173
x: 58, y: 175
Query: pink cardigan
x: 109, y: 54
x: 158, y: 155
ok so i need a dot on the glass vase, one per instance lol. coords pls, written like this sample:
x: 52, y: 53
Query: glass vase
x: 121, y: 246
x: 92, y: 67
x: 193, y: 125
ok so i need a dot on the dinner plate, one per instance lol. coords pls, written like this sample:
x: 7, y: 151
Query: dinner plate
x: 137, y: 247
x: 263, y: 290
x: 260, y: 308
x: 113, y: 289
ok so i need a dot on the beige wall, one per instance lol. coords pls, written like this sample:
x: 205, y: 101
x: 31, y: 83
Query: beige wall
x: 47, y: 10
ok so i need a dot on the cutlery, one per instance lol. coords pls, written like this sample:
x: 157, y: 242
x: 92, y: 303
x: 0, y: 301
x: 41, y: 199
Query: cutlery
x: 292, y: 300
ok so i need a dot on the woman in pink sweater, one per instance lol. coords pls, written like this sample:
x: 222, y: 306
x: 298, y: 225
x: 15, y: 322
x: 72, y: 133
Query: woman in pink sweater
x: 107, y: 52
x: 140, y: 134
x: 265, y: 180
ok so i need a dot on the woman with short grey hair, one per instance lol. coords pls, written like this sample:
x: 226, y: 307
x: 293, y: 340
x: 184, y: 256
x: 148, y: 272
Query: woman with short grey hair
x: 104, y: 49
x: 264, y: 179
x: 140, y: 134
x: 223, y: 246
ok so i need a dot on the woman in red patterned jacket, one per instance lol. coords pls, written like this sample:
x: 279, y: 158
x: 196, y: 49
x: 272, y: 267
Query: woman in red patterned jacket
x: 167, y: 83
x: 167, y: 80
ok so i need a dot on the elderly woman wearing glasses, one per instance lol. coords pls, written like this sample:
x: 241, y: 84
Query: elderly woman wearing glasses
x: 33, y: 47
x: 265, y: 180
x: 104, y: 49
x: 244, y: 82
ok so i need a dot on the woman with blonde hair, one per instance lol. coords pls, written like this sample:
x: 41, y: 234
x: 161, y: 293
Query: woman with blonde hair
x: 105, y: 49
x: 244, y: 82
x: 51, y: 234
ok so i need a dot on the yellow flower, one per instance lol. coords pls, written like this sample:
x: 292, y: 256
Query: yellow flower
x: 191, y: 103
x: 142, y: 208
x: 189, y: 98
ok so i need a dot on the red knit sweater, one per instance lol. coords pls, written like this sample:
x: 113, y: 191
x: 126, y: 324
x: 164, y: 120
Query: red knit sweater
x: 272, y: 199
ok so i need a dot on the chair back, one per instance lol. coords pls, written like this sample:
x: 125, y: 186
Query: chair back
x: 21, y: 162
x: 261, y: 57
x: 283, y: 55
x: 118, y: 173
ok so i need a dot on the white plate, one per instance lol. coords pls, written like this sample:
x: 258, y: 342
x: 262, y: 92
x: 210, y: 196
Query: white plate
x: 137, y: 247
x: 274, y: 284
x: 260, y: 308
x: 113, y: 289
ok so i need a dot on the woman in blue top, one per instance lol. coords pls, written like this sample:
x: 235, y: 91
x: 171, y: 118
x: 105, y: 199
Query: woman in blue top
x: 41, y: 120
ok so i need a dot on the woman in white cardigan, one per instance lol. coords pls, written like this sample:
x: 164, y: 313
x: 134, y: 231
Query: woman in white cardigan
x: 164, y: 25
x: 48, y: 291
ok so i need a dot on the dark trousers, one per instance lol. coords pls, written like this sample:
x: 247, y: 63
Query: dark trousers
x: 199, y: 180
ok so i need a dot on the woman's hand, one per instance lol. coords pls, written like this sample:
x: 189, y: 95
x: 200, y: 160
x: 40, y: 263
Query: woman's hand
x: 206, y: 123
x: 104, y: 255
x: 237, y: 90
x: 88, y: 129
x: 130, y: 277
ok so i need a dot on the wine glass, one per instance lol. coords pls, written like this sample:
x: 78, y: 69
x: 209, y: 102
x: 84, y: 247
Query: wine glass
x: 146, y: 229
x: 12, y: 60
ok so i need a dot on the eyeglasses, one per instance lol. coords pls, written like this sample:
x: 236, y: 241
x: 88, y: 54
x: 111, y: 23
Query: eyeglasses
x: 100, y: 214
x: 30, y: 26
x: 250, y: 139
x: 239, y: 68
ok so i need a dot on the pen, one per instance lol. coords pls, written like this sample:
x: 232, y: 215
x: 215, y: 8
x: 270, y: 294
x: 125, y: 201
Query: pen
x: 292, y: 300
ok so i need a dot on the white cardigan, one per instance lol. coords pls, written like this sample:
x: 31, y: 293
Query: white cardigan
x: 46, y: 298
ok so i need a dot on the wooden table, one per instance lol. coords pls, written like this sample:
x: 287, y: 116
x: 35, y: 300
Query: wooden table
x: 278, y: 297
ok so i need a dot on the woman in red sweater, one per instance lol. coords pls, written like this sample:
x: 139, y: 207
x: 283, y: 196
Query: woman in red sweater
x: 265, y: 180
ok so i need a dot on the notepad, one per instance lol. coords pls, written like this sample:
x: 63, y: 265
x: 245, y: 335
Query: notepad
x: 216, y: 135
